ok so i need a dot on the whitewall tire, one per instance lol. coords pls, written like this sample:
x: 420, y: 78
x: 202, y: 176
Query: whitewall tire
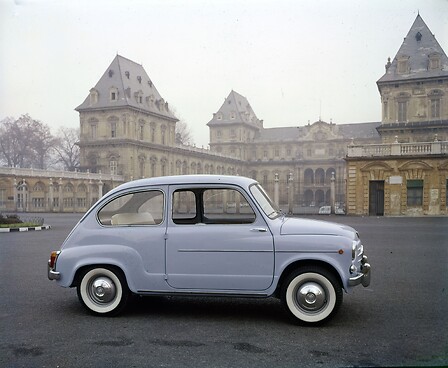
x: 311, y: 295
x: 103, y: 291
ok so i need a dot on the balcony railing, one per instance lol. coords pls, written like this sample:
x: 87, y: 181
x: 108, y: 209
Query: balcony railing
x: 398, y: 149
x: 58, y: 174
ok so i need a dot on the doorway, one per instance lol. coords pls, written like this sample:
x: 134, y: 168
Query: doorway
x: 376, y: 198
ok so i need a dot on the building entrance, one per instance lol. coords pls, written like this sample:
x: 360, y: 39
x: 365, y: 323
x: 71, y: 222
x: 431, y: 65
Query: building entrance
x: 376, y: 198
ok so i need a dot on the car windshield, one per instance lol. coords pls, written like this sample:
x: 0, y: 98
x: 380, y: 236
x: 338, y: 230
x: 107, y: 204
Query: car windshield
x: 267, y: 205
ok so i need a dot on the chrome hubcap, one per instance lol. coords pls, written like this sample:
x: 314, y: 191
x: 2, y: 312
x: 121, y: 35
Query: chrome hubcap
x: 102, y: 290
x: 311, y: 296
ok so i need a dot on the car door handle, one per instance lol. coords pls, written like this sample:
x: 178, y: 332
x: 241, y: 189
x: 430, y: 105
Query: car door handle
x: 259, y: 229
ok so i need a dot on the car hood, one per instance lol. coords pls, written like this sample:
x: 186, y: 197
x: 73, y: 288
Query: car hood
x: 299, y: 226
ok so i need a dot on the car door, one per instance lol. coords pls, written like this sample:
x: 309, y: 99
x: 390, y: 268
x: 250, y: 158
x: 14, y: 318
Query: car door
x: 217, y: 241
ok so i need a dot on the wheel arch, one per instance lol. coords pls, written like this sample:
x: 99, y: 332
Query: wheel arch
x: 82, y: 269
x: 302, y: 263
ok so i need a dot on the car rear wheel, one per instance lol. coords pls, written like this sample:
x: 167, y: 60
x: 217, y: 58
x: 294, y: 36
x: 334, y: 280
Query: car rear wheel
x: 311, y: 295
x: 103, y: 291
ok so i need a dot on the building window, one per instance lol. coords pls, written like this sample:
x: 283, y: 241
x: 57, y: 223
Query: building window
x: 93, y: 131
x: 219, y: 134
x: 435, y: 108
x: 113, y: 96
x: 113, y: 130
x: 414, y: 192
x: 113, y: 167
x: 38, y: 202
x: 153, y: 169
x: 402, y: 111
x: 265, y: 180
x: 385, y: 110
x: 141, y: 133
x: 142, y: 168
x: 153, y: 134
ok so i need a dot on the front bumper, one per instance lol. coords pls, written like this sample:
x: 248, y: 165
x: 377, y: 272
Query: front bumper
x: 362, y: 277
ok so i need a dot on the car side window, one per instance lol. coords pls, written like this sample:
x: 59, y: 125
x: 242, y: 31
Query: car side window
x: 226, y: 206
x: 184, y: 207
x: 211, y: 206
x: 138, y: 208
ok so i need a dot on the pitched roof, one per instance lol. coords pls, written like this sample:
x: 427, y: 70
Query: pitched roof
x: 236, y: 109
x: 133, y: 86
x: 301, y: 133
x: 417, y: 48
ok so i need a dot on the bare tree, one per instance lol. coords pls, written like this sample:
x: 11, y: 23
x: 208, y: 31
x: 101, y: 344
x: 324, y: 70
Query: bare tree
x: 67, y: 149
x: 25, y: 142
x: 183, y: 134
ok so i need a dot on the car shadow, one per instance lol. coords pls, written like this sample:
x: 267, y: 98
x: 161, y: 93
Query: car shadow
x: 211, y: 308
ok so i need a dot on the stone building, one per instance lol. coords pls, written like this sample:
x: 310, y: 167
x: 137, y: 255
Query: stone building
x: 408, y: 173
x: 128, y: 129
x: 304, y: 157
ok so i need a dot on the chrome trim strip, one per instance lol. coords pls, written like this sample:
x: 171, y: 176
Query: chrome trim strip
x: 307, y: 251
x: 224, y: 251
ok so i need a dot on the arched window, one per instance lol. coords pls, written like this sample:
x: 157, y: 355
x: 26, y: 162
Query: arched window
x: 309, y: 177
x: 320, y: 177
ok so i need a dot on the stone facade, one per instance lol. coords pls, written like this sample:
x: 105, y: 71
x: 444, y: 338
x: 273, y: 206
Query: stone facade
x: 409, y: 179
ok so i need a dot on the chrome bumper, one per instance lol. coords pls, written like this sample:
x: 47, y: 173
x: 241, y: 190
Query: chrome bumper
x: 362, y: 277
x: 53, y: 275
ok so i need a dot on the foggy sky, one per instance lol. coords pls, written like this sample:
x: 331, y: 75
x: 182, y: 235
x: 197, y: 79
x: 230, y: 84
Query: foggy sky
x: 295, y: 61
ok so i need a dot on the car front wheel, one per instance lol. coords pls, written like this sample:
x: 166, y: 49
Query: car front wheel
x: 103, y: 291
x: 311, y: 295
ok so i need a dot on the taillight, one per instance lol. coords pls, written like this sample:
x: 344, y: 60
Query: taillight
x: 53, y: 256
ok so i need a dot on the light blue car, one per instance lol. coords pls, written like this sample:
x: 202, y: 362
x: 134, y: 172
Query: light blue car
x: 207, y: 235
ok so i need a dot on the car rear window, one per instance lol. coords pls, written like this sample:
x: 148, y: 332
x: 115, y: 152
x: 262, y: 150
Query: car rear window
x: 138, y: 208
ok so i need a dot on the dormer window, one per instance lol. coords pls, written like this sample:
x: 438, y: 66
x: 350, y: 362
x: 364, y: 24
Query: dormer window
x: 113, y: 94
x: 126, y: 73
x: 93, y: 96
x: 232, y: 115
x: 403, y: 64
x: 139, y: 78
x: 434, y: 61
x: 139, y: 97
x: 219, y: 116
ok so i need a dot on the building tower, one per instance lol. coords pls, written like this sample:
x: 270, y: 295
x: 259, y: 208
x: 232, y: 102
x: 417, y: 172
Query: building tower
x: 414, y: 89
x: 234, y: 125
x: 125, y: 124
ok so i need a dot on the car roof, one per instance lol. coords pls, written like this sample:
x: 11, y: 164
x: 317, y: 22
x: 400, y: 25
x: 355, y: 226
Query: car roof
x: 187, y: 179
